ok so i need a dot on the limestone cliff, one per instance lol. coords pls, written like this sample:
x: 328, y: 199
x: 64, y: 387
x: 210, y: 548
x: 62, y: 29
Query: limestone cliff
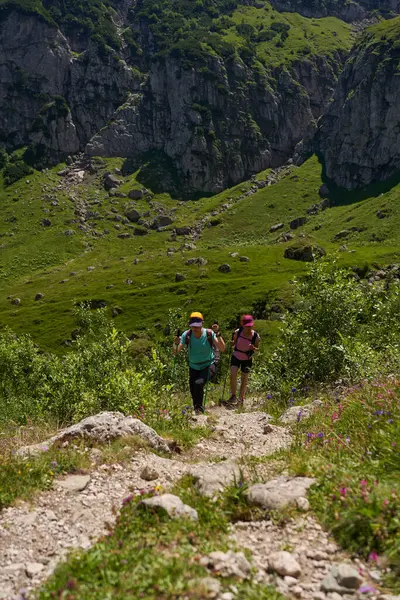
x: 358, y: 137
x: 219, y: 125
x: 51, y: 98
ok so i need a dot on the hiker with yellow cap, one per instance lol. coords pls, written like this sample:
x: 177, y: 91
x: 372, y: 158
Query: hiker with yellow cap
x: 200, y: 343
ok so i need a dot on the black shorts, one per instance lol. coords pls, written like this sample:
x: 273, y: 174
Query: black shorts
x: 245, y: 365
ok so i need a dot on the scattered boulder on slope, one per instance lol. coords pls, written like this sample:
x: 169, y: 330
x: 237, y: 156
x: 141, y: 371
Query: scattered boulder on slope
x: 102, y: 427
x: 304, y: 253
x: 279, y: 492
x: 295, y: 413
x: 173, y: 505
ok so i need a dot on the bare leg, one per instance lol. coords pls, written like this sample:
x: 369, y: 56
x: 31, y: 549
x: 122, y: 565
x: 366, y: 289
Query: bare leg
x: 234, y: 374
x: 243, y: 385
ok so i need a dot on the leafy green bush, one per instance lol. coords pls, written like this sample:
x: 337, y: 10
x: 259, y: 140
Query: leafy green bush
x: 15, y: 171
x: 340, y: 328
x: 96, y: 375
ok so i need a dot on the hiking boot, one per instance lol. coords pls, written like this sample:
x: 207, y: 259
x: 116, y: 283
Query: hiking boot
x: 231, y: 403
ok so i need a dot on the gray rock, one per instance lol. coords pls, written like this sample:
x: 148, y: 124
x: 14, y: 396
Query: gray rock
x: 69, y: 232
x: 197, y: 261
x: 39, y: 296
x: 135, y: 194
x: 33, y: 569
x: 298, y: 222
x: 138, y: 231
x: 124, y: 236
x: 46, y: 222
x: 303, y: 504
x: 183, y: 230
x: 211, y: 480
x: 304, y: 253
x: 102, y: 427
x: 111, y: 181
x: 149, y: 473
x: 225, y: 268
x: 227, y: 596
x: 91, y: 268
x: 296, y: 413
x: 279, y: 492
x: 16, y: 301
x: 244, y: 259
x: 162, y: 221
x: 348, y: 576
x: 210, y: 586
x: 276, y: 227
x: 173, y: 505
x: 133, y: 215
x: 342, y: 579
x: 284, y: 563
x: 179, y: 277
x: 74, y: 483
x: 342, y: 234
x: 228, y: 564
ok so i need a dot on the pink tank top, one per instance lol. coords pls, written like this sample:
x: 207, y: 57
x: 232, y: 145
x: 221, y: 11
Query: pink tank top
x: 243, y: 346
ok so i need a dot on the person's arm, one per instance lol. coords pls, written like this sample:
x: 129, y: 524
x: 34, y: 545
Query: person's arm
x: 219, y: 341
x: 256, y: 346
x: 234, y: 338
x: 178, y: 345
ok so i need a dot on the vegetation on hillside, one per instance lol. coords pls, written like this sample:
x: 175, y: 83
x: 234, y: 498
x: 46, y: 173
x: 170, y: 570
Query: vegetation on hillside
x: 135, y: 277
x: 352, y: 445
x: 338, y: 329
x: 230, y: 29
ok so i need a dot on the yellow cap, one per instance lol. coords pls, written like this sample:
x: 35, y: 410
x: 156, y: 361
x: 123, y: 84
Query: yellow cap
x: 197, y: 314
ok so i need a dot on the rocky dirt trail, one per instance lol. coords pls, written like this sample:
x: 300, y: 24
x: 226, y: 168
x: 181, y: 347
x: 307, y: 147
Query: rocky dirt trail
x: 35, y: 536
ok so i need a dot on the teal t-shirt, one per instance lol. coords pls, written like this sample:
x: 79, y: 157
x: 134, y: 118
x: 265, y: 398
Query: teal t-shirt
x: 201, y: 354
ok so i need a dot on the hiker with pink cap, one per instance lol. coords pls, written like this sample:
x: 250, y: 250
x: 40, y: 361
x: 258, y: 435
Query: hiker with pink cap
x: 245, y: 343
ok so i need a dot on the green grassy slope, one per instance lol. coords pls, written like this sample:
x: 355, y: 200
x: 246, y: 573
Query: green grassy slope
x: 35, y: 258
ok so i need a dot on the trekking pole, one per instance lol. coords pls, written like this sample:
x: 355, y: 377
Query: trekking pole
x: 175, y: 361
x: 205, y: 393
x: 225, y: 380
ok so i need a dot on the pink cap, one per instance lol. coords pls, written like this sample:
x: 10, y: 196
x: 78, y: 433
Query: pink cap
x: 247, y: 321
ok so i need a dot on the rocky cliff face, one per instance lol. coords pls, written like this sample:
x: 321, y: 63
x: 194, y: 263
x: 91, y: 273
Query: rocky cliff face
x: 51, y: 98
x: 219, y: 125
x: 201, y: 113
x: 358, y: 138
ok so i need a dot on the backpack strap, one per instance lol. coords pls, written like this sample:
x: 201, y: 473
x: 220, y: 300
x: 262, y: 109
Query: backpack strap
x: 187, y: 336
x: 237, y: 332
x: 253, y: 341
x: 209, y: 337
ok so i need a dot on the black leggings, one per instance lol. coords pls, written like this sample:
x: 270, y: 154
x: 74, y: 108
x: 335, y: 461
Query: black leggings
x: 197, y: 381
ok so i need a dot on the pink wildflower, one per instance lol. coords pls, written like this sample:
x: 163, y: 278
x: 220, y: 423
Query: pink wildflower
x: 373, y: 557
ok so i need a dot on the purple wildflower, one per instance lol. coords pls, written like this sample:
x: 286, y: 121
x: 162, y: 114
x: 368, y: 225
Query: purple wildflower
x: 366, y: 589
x: 320, y: 435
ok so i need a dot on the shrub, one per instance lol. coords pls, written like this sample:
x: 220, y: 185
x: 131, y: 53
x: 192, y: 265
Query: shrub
x: 339, y: 328
x: 97, y: 374
x: 15, y: 171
